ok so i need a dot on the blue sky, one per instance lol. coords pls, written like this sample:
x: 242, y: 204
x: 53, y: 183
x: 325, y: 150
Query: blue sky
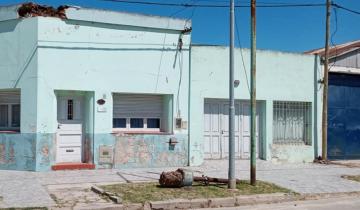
x: 285, y: 29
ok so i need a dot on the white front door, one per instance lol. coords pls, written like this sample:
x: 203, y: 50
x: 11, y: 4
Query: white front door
x: 245, y: 130
x: 212, y: 131
x: 70, y: 129
x: 216, y: 129
x: 225, y: 130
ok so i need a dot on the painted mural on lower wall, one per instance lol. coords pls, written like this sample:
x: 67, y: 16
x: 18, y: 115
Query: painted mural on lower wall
x: 37, y: 152
x: 18, y: 151
x: 46, y: 149
x: 143, y: 150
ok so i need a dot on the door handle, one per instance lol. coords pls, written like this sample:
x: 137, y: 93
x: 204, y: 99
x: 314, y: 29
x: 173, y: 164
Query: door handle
x: 59, y: 125
x: 222, y: 132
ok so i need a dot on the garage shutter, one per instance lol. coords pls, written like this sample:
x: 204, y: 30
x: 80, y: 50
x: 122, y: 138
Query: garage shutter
x: 137, y: 105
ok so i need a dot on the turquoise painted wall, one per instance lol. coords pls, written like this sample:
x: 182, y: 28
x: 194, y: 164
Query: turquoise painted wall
x: 280, y: 76
x: 107, y: 58
x: 18, y: 69
x: 44, y: 56
x: 104, y: 59
x: 143, y: 150
x: 18, y: 151
x: 18, y: 66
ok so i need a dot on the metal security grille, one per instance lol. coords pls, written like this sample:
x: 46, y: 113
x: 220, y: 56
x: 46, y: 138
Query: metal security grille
x: 292, y: 122
x: 70, y: 109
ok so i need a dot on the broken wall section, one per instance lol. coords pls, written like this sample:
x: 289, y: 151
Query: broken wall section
x: 34, y: 10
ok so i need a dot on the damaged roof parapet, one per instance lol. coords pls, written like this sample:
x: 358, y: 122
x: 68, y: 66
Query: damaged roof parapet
x: 186, y: 30
x: 34, y: 10
x: 73, y: 13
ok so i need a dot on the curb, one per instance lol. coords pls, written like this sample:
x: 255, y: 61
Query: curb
x: 243, y: 200
x: 206, y: 203
x: 111, y: 196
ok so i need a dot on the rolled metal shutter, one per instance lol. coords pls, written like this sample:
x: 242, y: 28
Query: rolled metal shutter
x: 137, y: 106
x: 9, y: 97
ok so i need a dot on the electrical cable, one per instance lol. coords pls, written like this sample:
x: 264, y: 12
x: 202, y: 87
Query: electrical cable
x: 261, y: 5
x: 346, y: 9
x: 180, y: 81
x: 332, y: 38
x: 179, y: 50
x: 163, y: 49
x: 241, y: 53
x: 215, y: 5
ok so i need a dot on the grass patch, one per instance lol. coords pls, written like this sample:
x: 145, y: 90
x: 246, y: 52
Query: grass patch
x: 352, y: 178
x: 141, y: 192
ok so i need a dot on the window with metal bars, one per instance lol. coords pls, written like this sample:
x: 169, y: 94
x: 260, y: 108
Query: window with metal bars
x: 292, y: 122
x: 70, y: 109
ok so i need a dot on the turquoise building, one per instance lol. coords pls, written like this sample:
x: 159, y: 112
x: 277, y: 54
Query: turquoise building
x: 101, y: 89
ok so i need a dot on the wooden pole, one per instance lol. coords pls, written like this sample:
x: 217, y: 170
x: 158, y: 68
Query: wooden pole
x: 326, y: 84
x: 253, y: 95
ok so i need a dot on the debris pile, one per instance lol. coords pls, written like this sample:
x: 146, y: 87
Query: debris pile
x: 33, y: 10
x: 320, y: 160
x: 172, y: 178
x: 207, y: 180
x: 181, y: 178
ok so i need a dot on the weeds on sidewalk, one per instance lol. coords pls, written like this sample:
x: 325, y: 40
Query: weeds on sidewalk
x: 27, y: 208
x: 352, y: 178
x: 142, y: 192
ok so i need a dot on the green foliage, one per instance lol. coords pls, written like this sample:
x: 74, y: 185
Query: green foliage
x: 353, y: 178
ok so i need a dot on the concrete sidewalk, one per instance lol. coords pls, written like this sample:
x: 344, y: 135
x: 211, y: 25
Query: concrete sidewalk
x: 28, y: 189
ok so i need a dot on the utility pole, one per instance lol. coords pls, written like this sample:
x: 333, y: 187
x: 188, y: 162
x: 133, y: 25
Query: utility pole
x: 326, y: 84
x: 253, y: 95
x: 231, y: 175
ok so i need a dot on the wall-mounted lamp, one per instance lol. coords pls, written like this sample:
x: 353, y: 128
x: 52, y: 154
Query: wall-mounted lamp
x: 101, y: 101
x: 236, y: 83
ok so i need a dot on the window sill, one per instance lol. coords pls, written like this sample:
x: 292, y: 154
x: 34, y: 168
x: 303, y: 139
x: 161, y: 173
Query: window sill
x: 141, y: 132
x: 9, y: 132
x: 292, y: 144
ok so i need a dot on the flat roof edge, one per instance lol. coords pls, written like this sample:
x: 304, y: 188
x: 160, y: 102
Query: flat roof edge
x: 108, y: 17
x: 248, y: 49
x: 9, y: 12
x: 123, y: 18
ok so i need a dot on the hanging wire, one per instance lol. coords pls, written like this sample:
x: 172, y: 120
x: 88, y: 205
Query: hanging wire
x: 241, y: 53
x: 278, y: 5
x: 346, y: 9
x: 163, y: 47
x: 261, y: 5
x: 332, y: 38
x: 179, y: 50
